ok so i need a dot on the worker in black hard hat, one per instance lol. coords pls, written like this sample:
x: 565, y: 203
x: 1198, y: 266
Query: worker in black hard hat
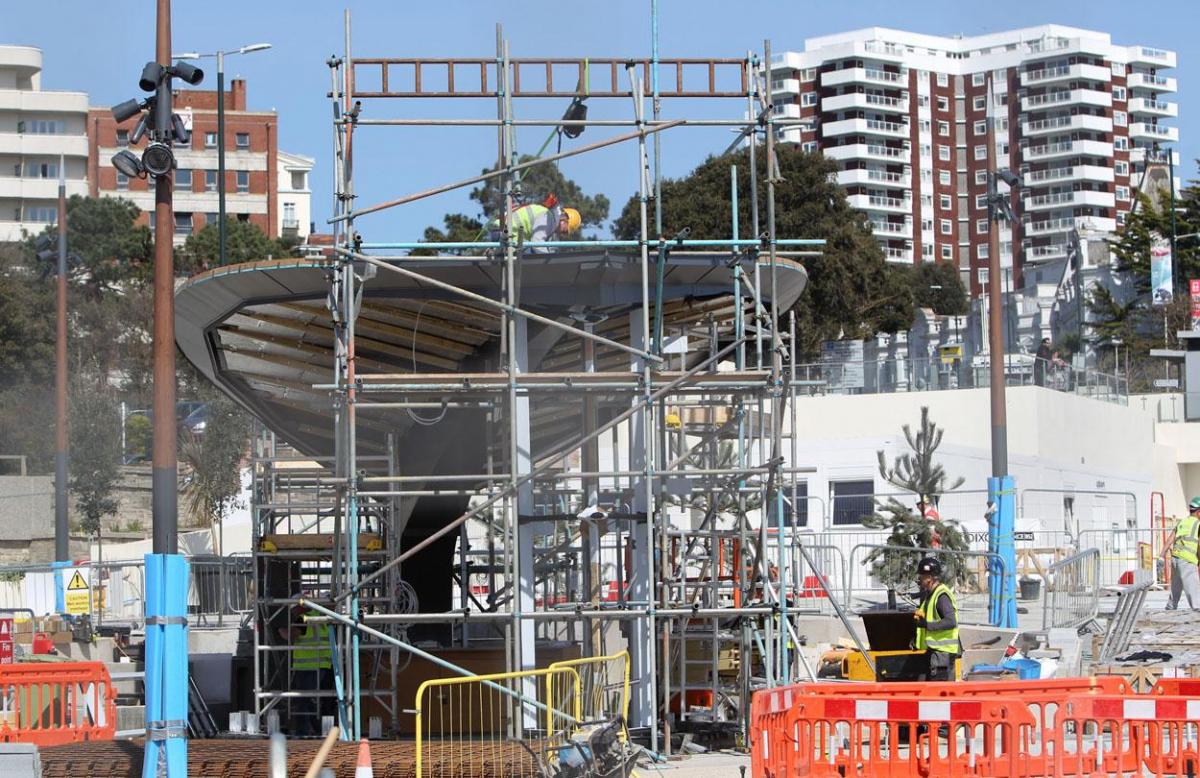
x: 937, y: 622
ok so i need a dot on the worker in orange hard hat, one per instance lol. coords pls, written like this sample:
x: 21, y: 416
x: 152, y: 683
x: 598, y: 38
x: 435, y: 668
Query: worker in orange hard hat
x: 536, y: 223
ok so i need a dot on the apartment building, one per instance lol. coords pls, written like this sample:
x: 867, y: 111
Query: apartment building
x: 255, y: 168
x: 905, y: 116
x: 39, y: 130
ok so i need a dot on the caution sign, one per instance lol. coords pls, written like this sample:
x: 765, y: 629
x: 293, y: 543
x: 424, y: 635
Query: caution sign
x: 78, y: 598
x: 6, y: 641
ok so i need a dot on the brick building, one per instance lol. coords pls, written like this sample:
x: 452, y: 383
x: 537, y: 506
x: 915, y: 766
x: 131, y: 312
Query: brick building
x: 252, y: 166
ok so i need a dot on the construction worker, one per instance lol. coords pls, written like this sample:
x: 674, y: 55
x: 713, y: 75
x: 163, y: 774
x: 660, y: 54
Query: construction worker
x: 937, y: 622
x: 1183, y: 544
x: 312, y: 669
x: 536, y: 223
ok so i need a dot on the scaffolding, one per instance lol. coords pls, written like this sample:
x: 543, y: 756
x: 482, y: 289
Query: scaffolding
x: 629, y: 495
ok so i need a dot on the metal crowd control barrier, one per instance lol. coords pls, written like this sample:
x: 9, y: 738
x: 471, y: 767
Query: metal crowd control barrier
x: 972, y: 599
x: 1072, y: 590
x: 1127, y: 556
x: 53, y: 704
x: 1054, y: 727
x: 604, y: 685
x: 468, y: 726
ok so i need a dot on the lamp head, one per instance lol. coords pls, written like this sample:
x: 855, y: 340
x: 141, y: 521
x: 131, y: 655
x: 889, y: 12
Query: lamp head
x: 126, y: 110
x: 128, y: 163
x: 187, y: 72
x: 152, y: 73
x: 158, y: 159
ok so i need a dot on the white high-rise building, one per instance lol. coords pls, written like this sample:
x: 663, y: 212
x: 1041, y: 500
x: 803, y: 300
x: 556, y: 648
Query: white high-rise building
x: 905, y: 117
x: 37, y: 129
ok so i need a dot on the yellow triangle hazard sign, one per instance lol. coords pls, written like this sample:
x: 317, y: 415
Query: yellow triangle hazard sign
x: 77, y: 583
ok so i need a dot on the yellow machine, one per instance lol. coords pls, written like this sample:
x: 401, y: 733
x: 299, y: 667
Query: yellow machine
x: 889, y: 633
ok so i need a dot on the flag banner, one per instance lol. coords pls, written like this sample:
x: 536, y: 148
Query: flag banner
x: 1160, y: 272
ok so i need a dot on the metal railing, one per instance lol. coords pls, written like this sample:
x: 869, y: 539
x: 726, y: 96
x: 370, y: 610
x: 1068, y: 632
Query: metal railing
x: 1072, y: 590
x: 1127, y: 556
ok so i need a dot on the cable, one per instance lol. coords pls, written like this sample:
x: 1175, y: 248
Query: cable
x: 417, y: 419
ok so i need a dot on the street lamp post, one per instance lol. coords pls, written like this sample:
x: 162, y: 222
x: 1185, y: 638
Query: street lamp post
x: 220, y: 57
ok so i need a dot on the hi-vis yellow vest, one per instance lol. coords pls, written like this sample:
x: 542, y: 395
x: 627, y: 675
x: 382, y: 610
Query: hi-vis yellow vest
x: 1187, y: 539
x: 938, y: 639
x: 312, y: 650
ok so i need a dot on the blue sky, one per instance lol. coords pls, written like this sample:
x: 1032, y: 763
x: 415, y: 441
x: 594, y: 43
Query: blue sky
x: 100, y: 48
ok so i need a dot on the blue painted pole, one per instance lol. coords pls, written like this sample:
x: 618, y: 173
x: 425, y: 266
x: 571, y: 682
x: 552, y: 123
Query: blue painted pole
x: 167, y: 577
x: 1002, y: 573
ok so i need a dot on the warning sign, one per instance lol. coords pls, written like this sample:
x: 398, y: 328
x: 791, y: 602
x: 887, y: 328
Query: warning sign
x: 78, y: 598
x: 6, y: 641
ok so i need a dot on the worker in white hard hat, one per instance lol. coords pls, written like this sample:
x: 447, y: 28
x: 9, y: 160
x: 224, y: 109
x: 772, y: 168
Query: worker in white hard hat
x: 1183, y: 546
x: 538, y: 223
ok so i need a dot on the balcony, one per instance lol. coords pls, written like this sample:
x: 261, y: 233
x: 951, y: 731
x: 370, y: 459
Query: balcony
x: 1138, y: 155
x: 868, y: 151
x: 1069, y: 199
x: 1153, y: 132
x: 16, y: 188
x: 785, y: 87
x: 863, y: 76
x: 1050, y: 75
x: 1047, y: 253
x: 1052, y: 226
x: 880, y: 203
x: 1148, y: 105
x: 865, y: 101
x: 1069, y: 173
x: 1070, y: 148
x: 1068, y: 123
x: 1144, y: 55
x: 885, y: 229
x: 1065, y: 97
x: 901, y: 256
x: 31, y: 144
x: 866, y: 127
x: 872, y: 177
x: 1157, y: 83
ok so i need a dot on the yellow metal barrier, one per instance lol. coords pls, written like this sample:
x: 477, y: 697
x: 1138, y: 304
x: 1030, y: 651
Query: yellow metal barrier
x: 472, y: 726
x: 605, y: 681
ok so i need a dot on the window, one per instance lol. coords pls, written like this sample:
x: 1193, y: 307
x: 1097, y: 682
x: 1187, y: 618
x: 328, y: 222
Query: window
x: 946, y: 227
x: 41, y: 170
x: 981, y: 251
x: 808, y: 74
x: 926, y: 150
x: 926, y: 201
x: 923, y: 125
x: 808, y: 98
x: 1119, y: 93
x: 927, y: 175
x: 980, y: 103
x: 1120, y: 143
x: 1003, y: 149
x: 943, y: 128
x: 300, y: 178
x: 122, y: 137
x: 981, y: 201
x: 1118, y: 69
x: 210, y: 218
x: 796, y: 515
x: 947, y: 252
x: 45, y: 127
x: 210, y: 180
x: 44, y: 214
x: 977, y: 79
x: 980, y: 127
x: 926, y: 251
x: 1002, y: 125
x: 944, y: 153
x: 210, y: 140
x: 927, y: 225
x: 1121, y: 168
x: 944, y: 202
x: 981, y: 152
x: 943, y: 79
x: 1122, y: 193
x: 981, y: 226
x: 1120, y: 119
x: 922, y: 101
x: 981, y: 176
x: 183, y: 224
x: 1120, y: 218
x: 183, y: 178
x: 243, y: 180
x: 243, y: 140
x: 852, y: 500
x: 982, y: 275
x: 289, y: 215
x: 808, y: 146
x: 122, y: 182
x: 944, y: 177
x: 943, y: 103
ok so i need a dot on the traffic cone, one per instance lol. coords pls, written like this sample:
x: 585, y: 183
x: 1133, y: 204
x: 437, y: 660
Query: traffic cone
x: 363, y: 769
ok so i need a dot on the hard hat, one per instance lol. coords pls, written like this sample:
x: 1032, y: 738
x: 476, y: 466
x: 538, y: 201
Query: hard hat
x: 673, y: 421
x: 573, y: 219
x: 929, y: 566
x: 1194, y: 505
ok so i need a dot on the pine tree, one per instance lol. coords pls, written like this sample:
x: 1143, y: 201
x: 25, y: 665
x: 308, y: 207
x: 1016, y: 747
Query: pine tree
x: 915, y: 471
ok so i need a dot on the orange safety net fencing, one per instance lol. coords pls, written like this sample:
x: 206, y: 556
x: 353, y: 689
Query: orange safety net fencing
x: 1052, y: 727
x: 56, y: 703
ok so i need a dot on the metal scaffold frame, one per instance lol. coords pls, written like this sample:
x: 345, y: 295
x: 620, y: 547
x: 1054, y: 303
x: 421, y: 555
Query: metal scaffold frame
x: 654, y: 434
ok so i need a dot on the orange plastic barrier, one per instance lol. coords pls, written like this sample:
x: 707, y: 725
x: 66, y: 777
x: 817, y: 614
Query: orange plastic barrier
x: 55, y: 703
x: 1053, y: 727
